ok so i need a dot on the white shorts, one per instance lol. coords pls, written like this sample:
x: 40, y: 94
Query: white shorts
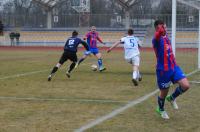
x: 134, y: 60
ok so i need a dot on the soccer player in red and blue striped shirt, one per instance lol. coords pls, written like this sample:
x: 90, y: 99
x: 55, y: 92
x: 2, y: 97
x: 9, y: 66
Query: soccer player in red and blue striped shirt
x: 92, y: 37
x: 167, y: 70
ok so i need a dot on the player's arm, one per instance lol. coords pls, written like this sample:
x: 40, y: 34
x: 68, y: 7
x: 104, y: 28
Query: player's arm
x: 139, y: 44
x: 86, y: 36
x: 100, y: 40
x: 160, y: 31
x: 113, y: 46
x: 85, y: 45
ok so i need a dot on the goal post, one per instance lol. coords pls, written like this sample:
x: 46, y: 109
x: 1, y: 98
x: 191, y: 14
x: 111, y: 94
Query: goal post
x: 186, y: 29
x: 174, y: 26
x: 199, y: 43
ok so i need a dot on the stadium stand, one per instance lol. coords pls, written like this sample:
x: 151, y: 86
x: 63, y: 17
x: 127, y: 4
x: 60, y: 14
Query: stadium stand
x: 56, y: 37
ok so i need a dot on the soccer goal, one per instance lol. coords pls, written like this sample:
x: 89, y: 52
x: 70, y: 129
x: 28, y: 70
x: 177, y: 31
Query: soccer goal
x: 185, y: 33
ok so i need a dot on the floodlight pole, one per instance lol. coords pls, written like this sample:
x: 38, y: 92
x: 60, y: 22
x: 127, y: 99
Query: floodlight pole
x: 174, y: 26
x: 199, y: 43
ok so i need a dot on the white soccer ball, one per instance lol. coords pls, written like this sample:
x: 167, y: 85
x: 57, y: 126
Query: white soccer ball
x: 94, y: 67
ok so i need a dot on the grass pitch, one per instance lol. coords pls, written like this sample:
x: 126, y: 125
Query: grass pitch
x: 29, y: 103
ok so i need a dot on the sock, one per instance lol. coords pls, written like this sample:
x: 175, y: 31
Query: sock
x: 54, y: 70
x: 72, y: 67
x: 161, y: 103
x: 135, y: 74
x: 178, y: 91
x: 138, y: 74
x: 81, y: 60
x: 100, y: 63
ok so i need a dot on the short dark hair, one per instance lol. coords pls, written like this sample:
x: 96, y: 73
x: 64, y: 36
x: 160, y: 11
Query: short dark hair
x: 158, y: 22
x: 130, y: 31
x: 74, y: 33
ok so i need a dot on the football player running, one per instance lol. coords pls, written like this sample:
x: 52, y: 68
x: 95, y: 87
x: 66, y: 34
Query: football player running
x: 132, y: 54
x: 69, y: 53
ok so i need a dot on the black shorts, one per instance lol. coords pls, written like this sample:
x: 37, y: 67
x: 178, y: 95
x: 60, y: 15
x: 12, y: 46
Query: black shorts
x: 68, y: 55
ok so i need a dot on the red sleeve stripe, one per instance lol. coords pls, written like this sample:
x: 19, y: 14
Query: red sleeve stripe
x: 166, y: 68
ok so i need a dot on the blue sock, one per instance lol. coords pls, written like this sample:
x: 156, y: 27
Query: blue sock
x: 100, y: 63
x: 161, y: 103
x: 81, y: 60
x: 178, y: 91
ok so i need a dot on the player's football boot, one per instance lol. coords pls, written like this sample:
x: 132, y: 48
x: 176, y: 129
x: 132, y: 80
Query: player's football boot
x: 163, y: 114
x: 172, y: 102
x: 68, y: 74
x: 49, y: 78
x: 102, y: 68
x: 135, y: 82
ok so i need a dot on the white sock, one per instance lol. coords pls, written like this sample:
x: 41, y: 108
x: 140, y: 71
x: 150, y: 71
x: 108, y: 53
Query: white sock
x: 134, y: 74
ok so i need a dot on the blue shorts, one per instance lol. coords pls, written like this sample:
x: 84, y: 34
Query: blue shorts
x: 94, y: 50
x: 165, y: 78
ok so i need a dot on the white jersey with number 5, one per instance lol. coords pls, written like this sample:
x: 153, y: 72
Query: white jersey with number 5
x: 131, y: 46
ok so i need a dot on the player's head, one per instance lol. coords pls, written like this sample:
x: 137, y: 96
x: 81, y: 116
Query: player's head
x: 74, y: 33
x: 130, y: 31
x: 158, y: 22
x: 93, y: 28
x: 160, y: 26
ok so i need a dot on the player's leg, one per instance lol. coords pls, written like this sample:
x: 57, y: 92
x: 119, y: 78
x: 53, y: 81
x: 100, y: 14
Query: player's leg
x: 184, y: 85
x: 163, y: 81
x: 136, y: 62
x: 135, y: 74
x: 81, y: 60
x: 73, y: 58
x: 58, y: 65
x: 135, y: 70
x: 161, y: 103
x: 100, y: 61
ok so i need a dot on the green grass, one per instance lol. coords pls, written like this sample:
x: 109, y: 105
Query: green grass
x: 75, y: 110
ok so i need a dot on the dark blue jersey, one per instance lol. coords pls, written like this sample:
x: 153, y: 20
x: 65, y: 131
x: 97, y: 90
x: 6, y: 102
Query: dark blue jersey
x: 72, y: 44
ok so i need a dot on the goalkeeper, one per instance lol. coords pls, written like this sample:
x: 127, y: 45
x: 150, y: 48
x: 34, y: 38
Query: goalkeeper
x: 92, y: 38
x: 69, y: 53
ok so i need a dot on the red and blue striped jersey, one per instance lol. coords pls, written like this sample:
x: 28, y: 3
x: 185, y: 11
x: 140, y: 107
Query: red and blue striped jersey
x: 163, y: 50
x: 92, y: 38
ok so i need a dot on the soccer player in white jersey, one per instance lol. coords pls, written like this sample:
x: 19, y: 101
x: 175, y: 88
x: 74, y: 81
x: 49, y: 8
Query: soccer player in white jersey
x: 132, y: 53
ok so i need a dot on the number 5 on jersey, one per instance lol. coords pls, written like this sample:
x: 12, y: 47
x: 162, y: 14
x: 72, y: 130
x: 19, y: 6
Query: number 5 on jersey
x: 132, y: 42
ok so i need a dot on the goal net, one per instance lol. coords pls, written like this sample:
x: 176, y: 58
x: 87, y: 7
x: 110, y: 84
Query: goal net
x: 187, y: 35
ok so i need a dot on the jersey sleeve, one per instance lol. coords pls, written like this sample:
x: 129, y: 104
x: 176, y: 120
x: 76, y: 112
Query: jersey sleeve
x: 122, y: 40
x: 84, y: 44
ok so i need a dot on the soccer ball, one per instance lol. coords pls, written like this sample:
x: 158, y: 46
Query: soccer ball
x: 94, y: 67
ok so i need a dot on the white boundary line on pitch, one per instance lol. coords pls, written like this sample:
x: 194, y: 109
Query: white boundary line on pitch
x: 31, y: 73
x: 121, y: 109
x: 23, y: 74
x: 195, y: 82
x: 60, y: 99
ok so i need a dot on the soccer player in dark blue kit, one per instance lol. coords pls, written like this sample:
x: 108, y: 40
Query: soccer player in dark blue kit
x: 167, y: 70
x: 69, y: 53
